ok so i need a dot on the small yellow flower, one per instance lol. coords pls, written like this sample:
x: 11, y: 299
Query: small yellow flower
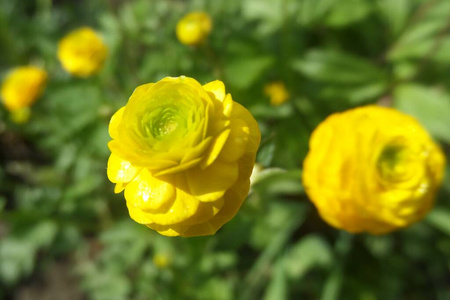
x: 372, y: 169
x: 184, y: 154
x: 194, y: 28
x: 277, y: 93
x: 161, y: 260
x: 22, y: 86
x: 20, y: 116
x: 82, y: 52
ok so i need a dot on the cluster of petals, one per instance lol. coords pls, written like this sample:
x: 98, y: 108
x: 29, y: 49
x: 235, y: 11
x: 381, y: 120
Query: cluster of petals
x: 22, y: 86
x: 184, y: 154
x: 194, y: 28
x: 82, y: 52
x: 372, y: 169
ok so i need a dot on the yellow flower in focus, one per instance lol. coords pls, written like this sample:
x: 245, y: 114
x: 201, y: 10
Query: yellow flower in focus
x: 161, y: 260
x: 82, y: 52
x: 194, y: 28
x: 372, y: 169
x: 22, y: 86
x: 277, y: 93
x: 184, y: 154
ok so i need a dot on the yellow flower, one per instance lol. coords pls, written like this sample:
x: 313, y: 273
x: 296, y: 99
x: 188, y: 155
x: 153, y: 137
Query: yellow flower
x: 372, y: 169
x: 277, y: 93
x: 161, y: 260
x: 22, y: 86
x: 184, y: 154
x: 20, y: 116
x: 82, y: 52
x: 194, y: 28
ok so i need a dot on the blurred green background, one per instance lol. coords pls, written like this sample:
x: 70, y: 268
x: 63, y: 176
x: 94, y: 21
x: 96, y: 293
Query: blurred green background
x: 66, y: 235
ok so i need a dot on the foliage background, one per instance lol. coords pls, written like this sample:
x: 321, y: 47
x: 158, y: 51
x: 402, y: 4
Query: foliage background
x: 65, y: 235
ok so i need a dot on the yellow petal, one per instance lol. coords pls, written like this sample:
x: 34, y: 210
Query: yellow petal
x: 138, y: 215
x: 120, y: 170
x: 150, y: 194
x: 184, y: 206
x: 168, y: 230
x: 217, y: 88
x: 211, y: 183
x: 240, y: 112
x: 114, y: 123
x: 233, y: 200
x: 215, y: 148
x: 236, y: 144
x: 142, y: 89
x: 228, y: 105
x: 119, y: 187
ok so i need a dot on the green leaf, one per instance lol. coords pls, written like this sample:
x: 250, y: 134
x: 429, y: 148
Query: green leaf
x: 425, y: 36
x: 347, y: 77
x: 278, y: 288
x: 347, y: 12
x: 244, y: 71
x: 395, y: 14
x: 335, y: 67
x: 271, y: 13
x: 430, y: 106
x: 313, y: 11
x: 310, y: 252
x: 439, y: 218
x: 278, y: 181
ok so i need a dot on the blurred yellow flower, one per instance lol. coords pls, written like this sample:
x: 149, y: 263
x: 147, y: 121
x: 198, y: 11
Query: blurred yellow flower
x: 161, y: 260
x: 22, y: 86
x: 82, y: 52
x: 372, y: 169
x: 184, y: 154
x: 194, y: 28
x: 20, y: 116
x: 277, y: 92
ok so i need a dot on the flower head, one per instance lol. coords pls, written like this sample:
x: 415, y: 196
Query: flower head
x: 22, y: 86
x: 184, y: 154
x: 277, y: 92
x: 372, y: 169
x: 82, y: 52
x: 194, y: 28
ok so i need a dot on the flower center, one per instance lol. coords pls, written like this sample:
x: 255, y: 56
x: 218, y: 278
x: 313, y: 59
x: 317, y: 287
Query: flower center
x: 393, y: 163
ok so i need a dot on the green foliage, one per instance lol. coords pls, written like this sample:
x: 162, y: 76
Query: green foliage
x: 57, y: 206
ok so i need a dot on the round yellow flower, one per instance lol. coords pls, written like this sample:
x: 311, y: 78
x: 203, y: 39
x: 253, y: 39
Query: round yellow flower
x: 82, y: 52
x: 277, y: 93
x: 372, y: 169
x: 184, y: 154
x: 162, y: 260
x: 22, y: 86
x: 194, y: 28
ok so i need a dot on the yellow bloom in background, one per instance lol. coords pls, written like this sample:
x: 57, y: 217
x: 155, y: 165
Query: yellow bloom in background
x: 20, y: 116
x: 194, y: 28
x: 184, y: 154
x: 22, y: 86
x: 277, y: 93
x: 161, y: 260
x: 82, y: 52
x: 372, y: 169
